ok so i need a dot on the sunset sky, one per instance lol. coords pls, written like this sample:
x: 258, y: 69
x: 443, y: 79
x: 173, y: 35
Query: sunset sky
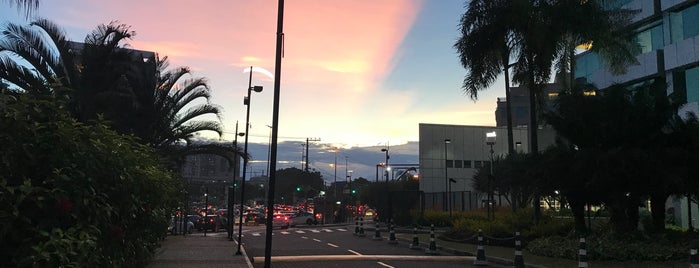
x: 354, y: 73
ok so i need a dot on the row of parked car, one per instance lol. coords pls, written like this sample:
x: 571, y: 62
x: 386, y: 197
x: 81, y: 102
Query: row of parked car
x: 219, y: 221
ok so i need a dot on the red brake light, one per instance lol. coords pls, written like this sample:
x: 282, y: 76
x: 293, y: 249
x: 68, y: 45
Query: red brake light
x: 286, y: 218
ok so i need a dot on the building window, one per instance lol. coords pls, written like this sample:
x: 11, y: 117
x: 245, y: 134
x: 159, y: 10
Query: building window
x: 467, y: 163
x: 684, y: 24
x: 450, y: 163
x: 586, y: 65
x: 458, y: 163
x: 692, y: 84
x: 478, y: 164
x: 615, y: 4
x: 651, y: 38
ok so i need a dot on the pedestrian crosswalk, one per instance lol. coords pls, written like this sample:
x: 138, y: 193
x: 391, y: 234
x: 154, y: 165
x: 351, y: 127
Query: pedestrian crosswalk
x: 324, y: 230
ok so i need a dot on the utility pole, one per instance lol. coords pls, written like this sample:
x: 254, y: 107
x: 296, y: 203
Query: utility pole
x: 309, y: 140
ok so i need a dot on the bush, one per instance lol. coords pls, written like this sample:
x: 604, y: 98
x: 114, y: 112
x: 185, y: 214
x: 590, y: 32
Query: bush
x: 438, y: 218
x: 75, y: 195
x: 608, y: 246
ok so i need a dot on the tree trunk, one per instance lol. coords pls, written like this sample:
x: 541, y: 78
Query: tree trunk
x: 577, y: 207
x: 657, y: 210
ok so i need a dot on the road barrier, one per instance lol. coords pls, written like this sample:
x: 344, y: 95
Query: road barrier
x: 361, y: 227
x: 480, y: 252
x: 582, y: 254
x: 432, y: 249
x: 377, y: 233
x: 392, y: 233
x: 519, y: 260
x: 356, y: 225
x: 416, y: 243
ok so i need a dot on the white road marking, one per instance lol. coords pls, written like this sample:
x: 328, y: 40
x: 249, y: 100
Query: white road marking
x: 256, y: 234
x: 304, y: 237
x: 342, y: 230
x: 328, y: 230
x: 285, y: 232
x: 356, y: 253
x: 300, y: 232
x: 317, y: 240
x: 333, y: 245
x: 315, y: 231
x: 385, y: 265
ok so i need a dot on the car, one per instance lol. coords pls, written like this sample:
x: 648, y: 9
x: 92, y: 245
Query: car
x: 196, y: 220
x: 303, y: 217
x: 210, y: 222
x: 280, y: 220
x: 178, y: 225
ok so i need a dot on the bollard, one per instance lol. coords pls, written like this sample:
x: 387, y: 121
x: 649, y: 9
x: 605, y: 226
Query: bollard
x: 377, y: 233
x: 480, y: 253
x: 582, y: 254
x: 361, y: 227
x: 693, y: 258
x: 392, y: 236
x: 519, y: 260
x: 356, y: 225
x: 432, y: 249
x: 416, y: 243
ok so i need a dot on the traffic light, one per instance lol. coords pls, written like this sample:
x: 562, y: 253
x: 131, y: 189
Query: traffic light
x: 298, y: 188
x: 235, y: 184
x: 354, y: 191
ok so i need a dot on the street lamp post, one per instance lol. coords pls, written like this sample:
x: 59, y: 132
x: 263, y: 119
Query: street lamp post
x: 490, y: 138
x: 206, y: 208
x: 246, y: 102
x: 231, y: 189
x: 386, y: 163
x: 447, y: 200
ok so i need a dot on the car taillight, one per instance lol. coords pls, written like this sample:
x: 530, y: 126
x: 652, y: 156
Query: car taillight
x: 278, y: 216
x: 286, y: 218
x: 211, y: 220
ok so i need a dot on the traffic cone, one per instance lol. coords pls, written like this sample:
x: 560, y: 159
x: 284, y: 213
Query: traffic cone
x: 582, y: 254
x: 480, y: 253
x: 377, y: 233
x: 361, y: 227
x: 416, y: 243
x: 432, y: 249
x: 392, y: 236
x: 356, y: 225
x: 519, y: 260
x: 693, y: 257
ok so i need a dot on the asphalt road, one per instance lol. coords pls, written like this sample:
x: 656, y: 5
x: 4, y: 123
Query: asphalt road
x: 336, y: 246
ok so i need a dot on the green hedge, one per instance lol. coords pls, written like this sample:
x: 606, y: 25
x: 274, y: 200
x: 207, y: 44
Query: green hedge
x: 75, y: 195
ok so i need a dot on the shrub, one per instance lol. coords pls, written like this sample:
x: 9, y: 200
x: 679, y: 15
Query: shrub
x: 76, y: 195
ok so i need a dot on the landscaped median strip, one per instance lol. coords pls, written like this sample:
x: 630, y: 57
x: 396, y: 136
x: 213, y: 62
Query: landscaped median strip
x: 365, y: 258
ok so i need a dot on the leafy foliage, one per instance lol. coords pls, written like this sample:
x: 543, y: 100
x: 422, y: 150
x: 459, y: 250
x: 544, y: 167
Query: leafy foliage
x: 75, y: 194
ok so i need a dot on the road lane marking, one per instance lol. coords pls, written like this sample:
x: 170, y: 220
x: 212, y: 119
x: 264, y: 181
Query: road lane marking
x: 377, y: 258
x: 328, y: 230
x: 285, y: 232
x: 300, y: 232
x: 304, y: 237
x: 317, y: 240
x: 342, y: 230
x: 333, y: 245
x: 356, y: 253
x: 385, y: 265
x: 256, y: 234
x: 315, y: 231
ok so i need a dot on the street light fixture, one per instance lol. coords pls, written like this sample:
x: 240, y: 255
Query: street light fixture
x: 447, y: 200
x: 490, y: 138
x: 386, y: 163
x: 246, y: 102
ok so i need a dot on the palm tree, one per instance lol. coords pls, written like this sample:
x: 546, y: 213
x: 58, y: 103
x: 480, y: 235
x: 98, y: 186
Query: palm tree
x: 484, y: 49
x: 140, y: 98
x: 27, y: 5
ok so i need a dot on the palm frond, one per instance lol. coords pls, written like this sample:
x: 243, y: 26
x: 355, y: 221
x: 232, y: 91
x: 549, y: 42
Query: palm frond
x: 196, y: 111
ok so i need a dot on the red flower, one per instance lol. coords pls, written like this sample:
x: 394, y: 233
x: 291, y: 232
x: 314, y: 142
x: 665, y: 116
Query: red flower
x: 64, y: 206
x: 117, y: 232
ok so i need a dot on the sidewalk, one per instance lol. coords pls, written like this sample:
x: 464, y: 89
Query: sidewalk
x: 195, y: 250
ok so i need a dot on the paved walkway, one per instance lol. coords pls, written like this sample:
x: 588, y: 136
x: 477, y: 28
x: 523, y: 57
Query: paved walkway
x: 195, y: 250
